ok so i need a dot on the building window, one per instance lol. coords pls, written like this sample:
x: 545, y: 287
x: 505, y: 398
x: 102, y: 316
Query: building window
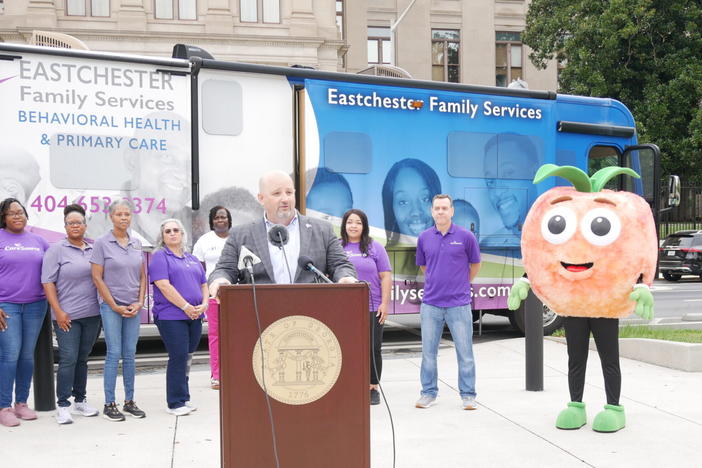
x: 378, y: 45
x: 256, y: 11
x: 176, y: 9
x: 508, y: 57
x: 445, y: 56
x: 340, y: 17
x: 88, y: 7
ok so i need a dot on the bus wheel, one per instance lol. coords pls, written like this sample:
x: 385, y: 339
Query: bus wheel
x: 552, y: 322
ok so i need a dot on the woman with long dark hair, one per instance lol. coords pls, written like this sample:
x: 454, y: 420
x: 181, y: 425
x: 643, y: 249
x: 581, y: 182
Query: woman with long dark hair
x: 373, y: 266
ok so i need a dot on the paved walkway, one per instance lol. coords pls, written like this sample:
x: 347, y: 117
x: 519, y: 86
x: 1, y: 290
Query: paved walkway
x: 511, y: 428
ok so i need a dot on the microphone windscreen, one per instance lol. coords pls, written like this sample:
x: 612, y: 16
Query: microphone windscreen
x: 278, y: 235
x: 303, y: 261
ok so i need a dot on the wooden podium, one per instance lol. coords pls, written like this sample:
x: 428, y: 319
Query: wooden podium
x: 315, y: 366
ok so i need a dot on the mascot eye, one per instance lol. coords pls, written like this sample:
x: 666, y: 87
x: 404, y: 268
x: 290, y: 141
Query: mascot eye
x: 558, y: 225
x: 601, y: 226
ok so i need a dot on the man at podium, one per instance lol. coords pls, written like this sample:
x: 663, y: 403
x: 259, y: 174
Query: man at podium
x: 269, y: 248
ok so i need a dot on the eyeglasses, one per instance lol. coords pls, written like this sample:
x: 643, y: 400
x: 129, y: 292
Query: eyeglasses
x: 15, y: 214
x: 169, y: 230
x: 75, y: 223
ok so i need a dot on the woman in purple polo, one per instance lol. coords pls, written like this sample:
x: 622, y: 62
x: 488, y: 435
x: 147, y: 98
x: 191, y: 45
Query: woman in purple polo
x: 22, y: 309
x: 180, y: 300
x: 373, y: 266
x: 66, y: 276
x: 119, y: 275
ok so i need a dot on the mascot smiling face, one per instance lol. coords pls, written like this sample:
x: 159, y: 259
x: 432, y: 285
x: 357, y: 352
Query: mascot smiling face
x: 583, y: 247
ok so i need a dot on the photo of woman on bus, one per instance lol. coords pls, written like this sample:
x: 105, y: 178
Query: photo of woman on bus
x: 208, y: 249
x: 68, y: 283
x: 119, y: 273
x: 180, y: 301
x: 373, y: 266
x: 22, y: 309
x: 409, y: 187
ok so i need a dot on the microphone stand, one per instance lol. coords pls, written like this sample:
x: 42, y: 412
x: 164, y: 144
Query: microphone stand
x: 285, y: 257
x: 249, y: 269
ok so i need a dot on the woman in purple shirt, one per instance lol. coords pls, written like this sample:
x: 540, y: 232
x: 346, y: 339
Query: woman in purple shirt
x: 119, y: 275
x: 22, y: 309
x: 69, y: 287
x: 373, y: 266
x: 180, y: 300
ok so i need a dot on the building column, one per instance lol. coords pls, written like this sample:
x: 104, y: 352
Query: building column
x: 131, y: 15
x: 219, y: 18
x: 302, y: 19
x: 41, y: 14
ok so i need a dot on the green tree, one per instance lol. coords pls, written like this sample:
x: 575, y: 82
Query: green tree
x: 645, y: 53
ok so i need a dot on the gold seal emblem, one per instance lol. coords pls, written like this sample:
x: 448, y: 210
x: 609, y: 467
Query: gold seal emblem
x: 301, y: 360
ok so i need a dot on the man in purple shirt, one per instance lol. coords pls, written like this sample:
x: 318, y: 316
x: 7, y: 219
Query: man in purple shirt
x: 449, y: 257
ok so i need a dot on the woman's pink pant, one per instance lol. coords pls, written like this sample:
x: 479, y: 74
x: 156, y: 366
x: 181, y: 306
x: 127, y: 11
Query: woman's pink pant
x: 213, y: 337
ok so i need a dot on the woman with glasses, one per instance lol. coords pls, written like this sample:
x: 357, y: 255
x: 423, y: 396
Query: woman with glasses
x: 119, y: 275
x: 207, y: 249
x: 22, y: 309
x: 66, y: 276
x: 180, y: 299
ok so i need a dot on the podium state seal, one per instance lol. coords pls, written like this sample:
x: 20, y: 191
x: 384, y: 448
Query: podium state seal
x: 301, y: 360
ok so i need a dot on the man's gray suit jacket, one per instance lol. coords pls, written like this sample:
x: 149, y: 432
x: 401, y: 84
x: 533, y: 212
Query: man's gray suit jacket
x: 317, y: 241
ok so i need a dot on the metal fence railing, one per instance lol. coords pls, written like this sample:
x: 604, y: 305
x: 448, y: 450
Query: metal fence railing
x: 687, y: 215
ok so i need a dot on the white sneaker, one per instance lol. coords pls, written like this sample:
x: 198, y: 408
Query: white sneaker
x: 84, y: 409
x: 469, y: 403
x: 181, y: 411
x: 191, y: 406
x: 63, y: 415
x: 425, y: 401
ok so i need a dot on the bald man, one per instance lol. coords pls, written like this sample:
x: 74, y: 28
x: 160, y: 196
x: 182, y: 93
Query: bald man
x: 307, y: 236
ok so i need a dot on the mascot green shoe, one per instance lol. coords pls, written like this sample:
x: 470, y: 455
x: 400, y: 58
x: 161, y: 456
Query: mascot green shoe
x: 573, y: 417
x: 610, y: 420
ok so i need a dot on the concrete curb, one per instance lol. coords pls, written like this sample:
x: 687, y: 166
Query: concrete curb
x: 672, y: 354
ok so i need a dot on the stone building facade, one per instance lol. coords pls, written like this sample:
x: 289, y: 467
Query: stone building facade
x: 467, y: 41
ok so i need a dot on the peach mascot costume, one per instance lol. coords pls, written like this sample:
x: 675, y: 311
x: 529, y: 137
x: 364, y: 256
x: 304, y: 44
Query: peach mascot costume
x: 590, y: 255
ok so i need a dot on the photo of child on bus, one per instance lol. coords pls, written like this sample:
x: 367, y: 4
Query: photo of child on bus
x: 330, y: 193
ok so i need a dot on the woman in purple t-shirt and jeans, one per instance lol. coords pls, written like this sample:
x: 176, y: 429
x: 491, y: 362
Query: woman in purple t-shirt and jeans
x: 120, y: 277
x: 180, y: 300
x: 373, y: 266
x: 22, y: 309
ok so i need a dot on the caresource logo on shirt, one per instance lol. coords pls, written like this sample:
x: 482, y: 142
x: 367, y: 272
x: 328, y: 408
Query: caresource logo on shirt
x: 21, y: 248
x: 350, y: 254
x: 456, y: 243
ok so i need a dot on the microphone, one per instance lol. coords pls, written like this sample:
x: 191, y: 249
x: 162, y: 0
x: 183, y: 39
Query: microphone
x: 305, y: 263
x: 247, y: 259
x: 278, y: 235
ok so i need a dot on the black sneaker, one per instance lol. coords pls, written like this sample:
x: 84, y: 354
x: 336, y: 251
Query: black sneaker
x: 131, y: 408
x: 374, y: 397
x: 111, y: 413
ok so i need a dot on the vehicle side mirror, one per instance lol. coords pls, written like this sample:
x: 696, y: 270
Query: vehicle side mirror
x: 673, y: 190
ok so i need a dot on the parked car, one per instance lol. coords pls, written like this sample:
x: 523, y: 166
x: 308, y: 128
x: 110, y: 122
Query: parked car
x: 681, y: 254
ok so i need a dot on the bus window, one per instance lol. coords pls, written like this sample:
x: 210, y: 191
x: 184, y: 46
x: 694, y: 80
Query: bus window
x: 348, y: 152
x: 601, y: 156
